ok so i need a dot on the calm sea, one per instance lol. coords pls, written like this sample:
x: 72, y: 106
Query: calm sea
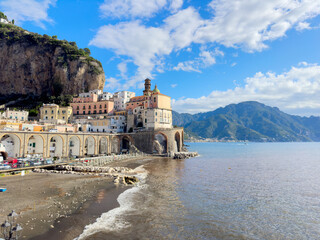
x: 231, y: 191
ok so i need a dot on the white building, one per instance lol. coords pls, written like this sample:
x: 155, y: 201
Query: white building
x: 121, y: 98
x: 2, y: 20
x: 112, y: 124
x: 105, y: 96
x: 15, y: 115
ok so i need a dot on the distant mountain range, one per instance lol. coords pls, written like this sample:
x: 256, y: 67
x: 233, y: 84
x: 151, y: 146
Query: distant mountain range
x: 252, y: 121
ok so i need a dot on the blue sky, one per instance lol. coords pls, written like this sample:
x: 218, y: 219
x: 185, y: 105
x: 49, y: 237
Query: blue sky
x: 204, y: 54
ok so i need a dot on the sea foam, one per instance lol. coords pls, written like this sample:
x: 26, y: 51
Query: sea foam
x: 113, y: 220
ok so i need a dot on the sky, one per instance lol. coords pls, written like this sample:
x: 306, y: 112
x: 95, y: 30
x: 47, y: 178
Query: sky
x: 204, y: 54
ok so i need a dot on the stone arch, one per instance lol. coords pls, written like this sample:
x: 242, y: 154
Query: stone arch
x: 126, y: 143
x: 177, y: 142
x: 56, y: 146
x: 160, y: 143
x: 115, y: 144
x: 35, y: 144
x: 89, y: 145
x: 74, y: 143
x: 103, y: 145
x: 12, y: 143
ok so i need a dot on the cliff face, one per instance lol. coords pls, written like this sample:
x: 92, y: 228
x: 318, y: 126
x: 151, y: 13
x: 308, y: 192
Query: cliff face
x: 41, y: 65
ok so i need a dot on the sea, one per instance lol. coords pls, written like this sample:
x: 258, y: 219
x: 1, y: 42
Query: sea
x: 230, y: 191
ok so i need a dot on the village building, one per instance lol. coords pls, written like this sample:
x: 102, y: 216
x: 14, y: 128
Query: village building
x: 88, y: 104
x: 3, y: 20
x: 150, y: 111
x: 121, y: 99
x: 110, y: 124
x: 53, y: 113
x: 15, y: 115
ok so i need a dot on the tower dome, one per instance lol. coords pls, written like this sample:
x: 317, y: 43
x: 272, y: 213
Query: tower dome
x: 156, y: 90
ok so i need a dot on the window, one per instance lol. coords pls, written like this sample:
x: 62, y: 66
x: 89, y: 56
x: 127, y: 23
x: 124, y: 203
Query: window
x: 105, y: 106
x: 52, y: 111
x: 78, y: 112
x: 145, y: 120
x: 77, y: 107
x: 100, y: 111
x: 105, y: 111
x: 84, y: 107
x: 100, y: 106
x: 84, y: 112
x: 154, y: 99
x: 63, y: 117
x: 51, y: 117
x: 45, y: 112
x: 89, y: 106
x: 89, y: 112
x: 94, y: 112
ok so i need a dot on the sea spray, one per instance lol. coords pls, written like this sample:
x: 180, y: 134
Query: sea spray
x: 113, y: 220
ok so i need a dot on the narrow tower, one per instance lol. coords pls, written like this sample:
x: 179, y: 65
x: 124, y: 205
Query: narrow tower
x: 147, y: 87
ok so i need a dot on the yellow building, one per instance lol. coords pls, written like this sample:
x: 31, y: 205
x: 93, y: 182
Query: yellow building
x: 151, y: 111
x: 55, y: 114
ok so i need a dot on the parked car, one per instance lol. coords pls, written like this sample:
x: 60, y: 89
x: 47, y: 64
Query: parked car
x: 4, y: 166
x: 13, y: 162
x: 48, y: 161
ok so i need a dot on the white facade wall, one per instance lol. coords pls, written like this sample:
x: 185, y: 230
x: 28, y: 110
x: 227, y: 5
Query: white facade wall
x: 96, y: 91
x: 16, y: 115
x: 2, y: 20
x: 121, y: 98
x: 105, y: 96
x: 116, y: 124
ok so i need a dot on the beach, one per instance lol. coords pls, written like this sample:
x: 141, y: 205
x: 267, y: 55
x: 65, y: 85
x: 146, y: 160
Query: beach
x: 59, y: 206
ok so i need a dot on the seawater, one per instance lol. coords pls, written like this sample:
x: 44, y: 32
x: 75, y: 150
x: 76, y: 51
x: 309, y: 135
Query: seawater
x: 231, y: 191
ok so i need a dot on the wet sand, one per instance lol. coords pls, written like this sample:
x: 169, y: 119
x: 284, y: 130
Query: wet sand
x: 57, y: 206
x: 42, y: 198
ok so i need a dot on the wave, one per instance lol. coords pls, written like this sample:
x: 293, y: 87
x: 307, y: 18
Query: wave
x: 113, y: 220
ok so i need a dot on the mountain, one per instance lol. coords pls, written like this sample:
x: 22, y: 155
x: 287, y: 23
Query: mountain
x: 34, y: 64
x: 252, y: 121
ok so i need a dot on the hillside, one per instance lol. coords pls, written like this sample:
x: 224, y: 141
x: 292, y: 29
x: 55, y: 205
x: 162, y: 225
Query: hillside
x: 41, y: 65
x: 250, y: 121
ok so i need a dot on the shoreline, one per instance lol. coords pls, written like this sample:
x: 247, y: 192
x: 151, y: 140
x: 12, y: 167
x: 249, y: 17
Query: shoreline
x: 58, y: 206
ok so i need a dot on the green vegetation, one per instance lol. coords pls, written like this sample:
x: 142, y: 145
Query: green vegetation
x: 2, y: 15
x: 250, y: 121
x: 70, y: 51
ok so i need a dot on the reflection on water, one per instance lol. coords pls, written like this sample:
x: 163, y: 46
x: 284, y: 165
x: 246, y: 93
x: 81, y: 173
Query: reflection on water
x: 232, y: 191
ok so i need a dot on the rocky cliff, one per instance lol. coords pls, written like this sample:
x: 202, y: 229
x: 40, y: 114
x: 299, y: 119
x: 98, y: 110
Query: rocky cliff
x: 42, y: 65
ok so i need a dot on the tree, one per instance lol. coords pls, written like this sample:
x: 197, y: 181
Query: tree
x: 12, y: 21
x: 73, y: 44
x: 54, y: 37
x: 87, y: 50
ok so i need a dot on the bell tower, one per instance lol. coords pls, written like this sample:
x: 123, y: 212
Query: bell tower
x: 147, y: 87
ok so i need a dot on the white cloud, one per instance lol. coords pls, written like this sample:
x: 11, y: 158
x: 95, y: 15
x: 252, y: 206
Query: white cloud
x: 28, y: 10
x: 296, y: 91
x: 187, y: 66
x: 175, y: 5
x: 134, y: 40
x: 244, y: 24
x: 174, y: 85
x: 112, y: 84
x: 206, y: 58
x: 249, y: 24
x: 302, y: 26
x: 137, y: 8
x: 233, y: 64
